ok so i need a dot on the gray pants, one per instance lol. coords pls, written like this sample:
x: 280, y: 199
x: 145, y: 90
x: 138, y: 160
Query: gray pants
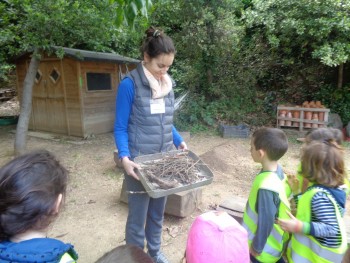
x: 145, y: 218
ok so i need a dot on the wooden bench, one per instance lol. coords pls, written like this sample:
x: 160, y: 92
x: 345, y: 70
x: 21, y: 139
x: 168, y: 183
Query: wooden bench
x: 234, y: 206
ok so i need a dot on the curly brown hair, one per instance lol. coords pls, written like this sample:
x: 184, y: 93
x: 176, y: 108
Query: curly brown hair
x: 322, y: 162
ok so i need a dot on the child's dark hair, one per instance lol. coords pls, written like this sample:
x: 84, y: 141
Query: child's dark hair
x: 157, y: 43
x: 272, y: 140
x: 325, y: 134
x: 323, y: 163
x: 29, y: 187
x: 125, y: 253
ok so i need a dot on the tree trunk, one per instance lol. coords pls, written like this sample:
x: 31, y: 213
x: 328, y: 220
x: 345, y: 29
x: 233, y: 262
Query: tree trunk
x: 340, y: 75
x: 26, y: 105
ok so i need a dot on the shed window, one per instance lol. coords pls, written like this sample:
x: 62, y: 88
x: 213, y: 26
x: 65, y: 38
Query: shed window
x: 98, y: 81
x: 54, y: 75
x: 38, y: 76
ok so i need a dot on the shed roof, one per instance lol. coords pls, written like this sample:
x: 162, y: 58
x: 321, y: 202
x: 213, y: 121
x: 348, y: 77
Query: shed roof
x: 86, y: 55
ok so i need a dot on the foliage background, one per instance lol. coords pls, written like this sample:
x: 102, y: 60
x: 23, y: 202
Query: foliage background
x: 238, y: 59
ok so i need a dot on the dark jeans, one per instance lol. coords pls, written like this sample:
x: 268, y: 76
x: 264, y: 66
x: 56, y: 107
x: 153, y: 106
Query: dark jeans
x: 254, y: 260
x: 145, y: 218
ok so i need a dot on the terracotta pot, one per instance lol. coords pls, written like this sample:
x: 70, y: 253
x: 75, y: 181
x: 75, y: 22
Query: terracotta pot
x: 296, y: 115
x: 314, y: 118
x: 282, y: 122
x: 318, y: 104
x: 308, y: 116
x: 289, y: 122
x: 321, y: 116
x: 305, y: 104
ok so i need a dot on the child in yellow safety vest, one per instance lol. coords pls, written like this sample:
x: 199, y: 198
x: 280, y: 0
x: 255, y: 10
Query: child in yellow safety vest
x: 318, y: 230
x: 267, y: 199
x: 32, y: 190
x: 299, y: 183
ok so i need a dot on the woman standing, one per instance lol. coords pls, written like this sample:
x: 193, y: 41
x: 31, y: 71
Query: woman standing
x: 144, y: 125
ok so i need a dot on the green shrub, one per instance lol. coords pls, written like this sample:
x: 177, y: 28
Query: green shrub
x: 336, y: 99
x: 201, y: 114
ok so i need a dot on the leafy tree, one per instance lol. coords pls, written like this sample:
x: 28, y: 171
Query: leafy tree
x: 208, y: 36
x: 303, y: 27
x: 36, y: 26
x: 308, y: 39
x: 240, y: 52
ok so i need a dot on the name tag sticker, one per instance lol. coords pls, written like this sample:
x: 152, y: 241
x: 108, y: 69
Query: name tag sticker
x: 157, y: 106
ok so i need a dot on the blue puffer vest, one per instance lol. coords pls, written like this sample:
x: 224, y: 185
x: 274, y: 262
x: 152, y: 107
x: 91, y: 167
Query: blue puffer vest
x: 148, y: 133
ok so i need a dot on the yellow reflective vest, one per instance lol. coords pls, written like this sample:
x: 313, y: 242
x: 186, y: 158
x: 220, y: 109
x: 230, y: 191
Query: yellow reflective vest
x: 66, y: 258
x: 277, y: 239
x: 305, y: 248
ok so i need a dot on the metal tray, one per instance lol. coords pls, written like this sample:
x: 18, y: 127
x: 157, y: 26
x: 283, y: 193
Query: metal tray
x: 153, y: 191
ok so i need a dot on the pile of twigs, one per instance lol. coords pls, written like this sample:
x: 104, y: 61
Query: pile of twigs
x: 171, y: 171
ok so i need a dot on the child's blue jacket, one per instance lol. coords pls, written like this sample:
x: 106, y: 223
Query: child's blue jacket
x: 35, y: 250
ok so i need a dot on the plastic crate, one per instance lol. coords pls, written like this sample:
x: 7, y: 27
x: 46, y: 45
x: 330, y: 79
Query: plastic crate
x: 8, y: 120
x: 239, y: 131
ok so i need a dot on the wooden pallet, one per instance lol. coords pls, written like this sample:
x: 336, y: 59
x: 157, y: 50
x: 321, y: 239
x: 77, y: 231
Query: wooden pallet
x: 301, y: 123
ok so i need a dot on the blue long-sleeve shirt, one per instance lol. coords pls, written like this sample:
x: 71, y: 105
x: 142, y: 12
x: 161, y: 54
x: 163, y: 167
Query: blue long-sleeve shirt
x: 124, y: 101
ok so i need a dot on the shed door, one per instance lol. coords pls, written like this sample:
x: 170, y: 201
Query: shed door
x: 49, y: 111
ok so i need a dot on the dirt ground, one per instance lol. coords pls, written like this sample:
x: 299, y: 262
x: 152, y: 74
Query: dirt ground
x: 94, y: 218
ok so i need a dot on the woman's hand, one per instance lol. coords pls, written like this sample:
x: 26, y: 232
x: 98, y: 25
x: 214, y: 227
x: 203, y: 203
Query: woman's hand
x: 292, y: 225
x: 129, y: 167
x: 183, y: 146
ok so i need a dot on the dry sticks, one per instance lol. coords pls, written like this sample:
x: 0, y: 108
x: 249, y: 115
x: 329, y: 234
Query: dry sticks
x: 171, y: 171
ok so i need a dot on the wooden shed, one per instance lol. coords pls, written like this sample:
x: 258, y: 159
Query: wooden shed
x: 75, y: 95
